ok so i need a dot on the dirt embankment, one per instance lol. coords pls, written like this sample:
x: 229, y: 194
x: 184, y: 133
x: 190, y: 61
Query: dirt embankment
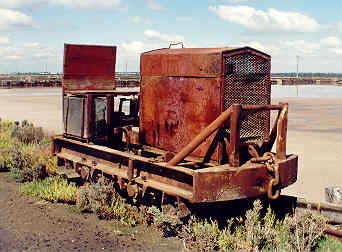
x: 30, y: 224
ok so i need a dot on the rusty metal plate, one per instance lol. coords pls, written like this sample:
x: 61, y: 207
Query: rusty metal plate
x: 184, y: 90
x: 89, y: 67
x: 199, y: 62
x: 174, y: 110
x: 223, y: 183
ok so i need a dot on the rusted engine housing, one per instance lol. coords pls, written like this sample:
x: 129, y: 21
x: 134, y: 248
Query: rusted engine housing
x: 184, y: 90
x: 204, y: 133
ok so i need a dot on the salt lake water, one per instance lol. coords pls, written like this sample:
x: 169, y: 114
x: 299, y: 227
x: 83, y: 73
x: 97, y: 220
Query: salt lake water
x: 301, y: 91
x: 307, y: 91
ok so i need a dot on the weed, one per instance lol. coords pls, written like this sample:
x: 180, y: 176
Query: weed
x: 252, y: 234
x: 304, y: 230
x: 41, y: 155
x: 92, y: 196
x: 102, y: 199
x: 27, y: 133
x: 19, y: 165
x: 326, y: 244
x: 168, y: 224
x: 200, y: 235
x: 19, y: 154
x: 52, y: 189
x: 4, y: 160
x: 22, y: 167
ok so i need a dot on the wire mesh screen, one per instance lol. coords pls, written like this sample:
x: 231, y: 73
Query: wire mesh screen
x: 247, y: 82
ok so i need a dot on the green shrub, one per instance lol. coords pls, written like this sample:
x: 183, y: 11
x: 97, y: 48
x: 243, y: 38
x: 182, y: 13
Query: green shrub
x: 19, y: 165
x: 168, y: 224
x: 4, y: 160
x: 41, y: 155
x: 92, y: 196
x: 6, y: 141
x: 251, y: 234
x: 304, y: 230
x: 27, y: 133
x: 327, y: 244
x: 102, y: 199
x: 22, y: 167
x: 200, y: 235
x: 301, y: 232
x: 52, y: 189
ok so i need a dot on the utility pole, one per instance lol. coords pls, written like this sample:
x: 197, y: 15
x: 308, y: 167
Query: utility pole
x: 297, y: 73
x: 297, y: 66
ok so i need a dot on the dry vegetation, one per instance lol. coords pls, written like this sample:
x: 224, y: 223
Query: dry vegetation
x: 24, y: 153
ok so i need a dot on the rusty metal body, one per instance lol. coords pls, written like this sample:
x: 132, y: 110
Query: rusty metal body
x: 184, y: 90
x: 194, y: 142
x: 89, y: 92
x: 89, y: 67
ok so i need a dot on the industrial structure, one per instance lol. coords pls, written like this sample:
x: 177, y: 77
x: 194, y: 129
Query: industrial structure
x: 199, y: 130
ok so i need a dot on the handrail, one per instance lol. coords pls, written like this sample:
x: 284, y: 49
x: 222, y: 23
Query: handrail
x: 234, y: 112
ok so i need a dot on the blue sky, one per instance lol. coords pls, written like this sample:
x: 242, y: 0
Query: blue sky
x: 32, y: 32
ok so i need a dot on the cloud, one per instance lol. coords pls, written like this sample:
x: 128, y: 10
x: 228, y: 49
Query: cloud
x: 270, y: 20
x: 18, y: 4
x: 4, y: 40
x: 286, y: 48
x: 163, y: 37
x: 337, y: 50
x: 302, y: 46
x: 333, y: 44
x: 138, y: 20
x: 27, y: 51
x: 331, y: 41
x: 257, y: 45
x: 236, y: 1
x: 11, y: 20
x: 136, y: 47
x: 154, y: 5
x: 89, y: 4
x: 339, y: 26
x: 83, y: 4
x: 184, y: 19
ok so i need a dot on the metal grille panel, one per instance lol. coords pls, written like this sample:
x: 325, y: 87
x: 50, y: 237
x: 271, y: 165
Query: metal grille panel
x: 247, y: 82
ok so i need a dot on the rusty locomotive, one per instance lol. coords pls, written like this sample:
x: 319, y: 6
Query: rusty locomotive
x: 199, y: 129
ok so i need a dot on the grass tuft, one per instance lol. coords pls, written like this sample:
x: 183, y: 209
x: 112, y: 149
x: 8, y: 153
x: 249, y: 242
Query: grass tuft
x: 27, y: 133
x: 52, y: 189
x: 102, y: 199
x: 200, y: 235
x: 168, y: 224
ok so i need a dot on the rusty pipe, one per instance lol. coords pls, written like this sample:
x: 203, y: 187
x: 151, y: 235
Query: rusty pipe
x: 204, y: 134
x: 281, y: 133
x: 263, y: 107
x: 334, y: 232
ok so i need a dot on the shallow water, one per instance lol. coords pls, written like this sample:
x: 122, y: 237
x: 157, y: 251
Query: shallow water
x: 302, y: 91
x: 307, y: 91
